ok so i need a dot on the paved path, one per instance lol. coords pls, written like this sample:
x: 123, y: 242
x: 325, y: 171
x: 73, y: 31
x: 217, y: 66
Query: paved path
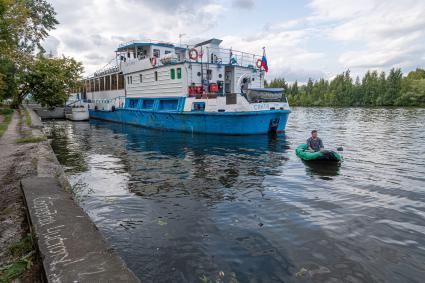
x: 15, y: 164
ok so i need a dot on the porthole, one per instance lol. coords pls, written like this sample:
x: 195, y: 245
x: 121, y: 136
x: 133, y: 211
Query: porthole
x: 220, y: 76
x: 253, y: 79
x: 199, y: 74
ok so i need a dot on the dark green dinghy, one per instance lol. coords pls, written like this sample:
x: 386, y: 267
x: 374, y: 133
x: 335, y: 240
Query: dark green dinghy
x: 325, y: 156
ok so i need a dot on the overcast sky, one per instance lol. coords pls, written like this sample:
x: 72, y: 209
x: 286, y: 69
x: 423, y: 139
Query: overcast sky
x: 311, y: 38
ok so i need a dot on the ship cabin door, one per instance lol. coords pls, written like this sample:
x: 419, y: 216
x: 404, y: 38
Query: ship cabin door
x: 229, y: 74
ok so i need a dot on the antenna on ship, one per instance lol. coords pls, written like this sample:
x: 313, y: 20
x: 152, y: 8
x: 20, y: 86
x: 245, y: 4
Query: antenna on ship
x: 180, y: 38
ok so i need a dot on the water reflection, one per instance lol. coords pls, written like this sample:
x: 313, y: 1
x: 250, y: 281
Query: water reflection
x: 183, y: 208
x: 322, y: 170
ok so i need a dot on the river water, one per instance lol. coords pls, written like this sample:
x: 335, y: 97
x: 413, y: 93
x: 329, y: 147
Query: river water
x: 204, y: 208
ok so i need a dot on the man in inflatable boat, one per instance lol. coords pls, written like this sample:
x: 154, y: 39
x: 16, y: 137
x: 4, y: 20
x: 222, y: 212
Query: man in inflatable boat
x: 314, y: 143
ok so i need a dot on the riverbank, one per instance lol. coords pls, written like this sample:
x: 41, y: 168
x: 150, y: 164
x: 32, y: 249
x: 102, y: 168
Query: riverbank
x: 18, y: 160
x: 30, y: 174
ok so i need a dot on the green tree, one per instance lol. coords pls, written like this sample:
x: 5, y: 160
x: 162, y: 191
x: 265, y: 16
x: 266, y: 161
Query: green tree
x: 393, y: 88
x: 23, y: 25
x: 8, y: 82
x: 50, y: 80
x: 418, y: 74
x: 372, y: 90
x: 412, y: 89
x: 278, y: 83
x: 413, y: 93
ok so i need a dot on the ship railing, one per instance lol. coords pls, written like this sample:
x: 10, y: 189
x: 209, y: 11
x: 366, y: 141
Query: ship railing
x: 216, y: 55
x: 116, y: 101
x: 229, y: 57
x: 77, y: 103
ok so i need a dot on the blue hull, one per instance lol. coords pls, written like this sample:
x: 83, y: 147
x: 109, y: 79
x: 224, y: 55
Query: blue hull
x: 225, y: 123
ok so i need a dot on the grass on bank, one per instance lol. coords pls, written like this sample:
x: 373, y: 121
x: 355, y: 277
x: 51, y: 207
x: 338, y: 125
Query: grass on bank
x: 7, y: 117
x: 27, y: 118
x: 23, y: 249
x: 31, y: 139
x: 6, y: 211
x: 12, y: 271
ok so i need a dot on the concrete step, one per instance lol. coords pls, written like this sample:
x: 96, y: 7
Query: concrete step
x: 71, y: 247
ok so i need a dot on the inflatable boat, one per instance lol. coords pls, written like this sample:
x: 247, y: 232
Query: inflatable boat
x: 325, y: 156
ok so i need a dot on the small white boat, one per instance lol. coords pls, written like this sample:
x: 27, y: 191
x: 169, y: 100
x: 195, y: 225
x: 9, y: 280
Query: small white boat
x: 76, y: 109
x: 77, y: 113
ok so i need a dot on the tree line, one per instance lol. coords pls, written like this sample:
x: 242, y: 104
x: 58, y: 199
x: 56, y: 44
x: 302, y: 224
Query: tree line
x: 374, y: 89
x: 24, y: 67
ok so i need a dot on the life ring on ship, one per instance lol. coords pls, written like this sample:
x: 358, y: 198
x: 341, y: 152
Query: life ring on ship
x: 258, y: 63
x: 193, y: 54
x: 153, y: 61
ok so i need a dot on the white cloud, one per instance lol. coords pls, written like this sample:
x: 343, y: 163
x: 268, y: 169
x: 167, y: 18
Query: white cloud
x: 90, y: 31
x: 243, y: 4
x: 332, y: 36
x: 391, y: 33
x: 284, y: 49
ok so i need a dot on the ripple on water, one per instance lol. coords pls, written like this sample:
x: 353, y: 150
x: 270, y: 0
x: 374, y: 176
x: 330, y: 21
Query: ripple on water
x: 183, y: 208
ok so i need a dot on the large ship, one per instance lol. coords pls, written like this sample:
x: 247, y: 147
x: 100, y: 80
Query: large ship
x: 199, y: 89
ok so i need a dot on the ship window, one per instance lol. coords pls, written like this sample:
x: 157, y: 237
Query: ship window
x: 156, y: 75
x: 147, y: 104
x: 220, y: 75
x: 128, y: 54
x: 128, y: 80
x: 132, y: 103
x: 114, y: 81
x: 96, y: 84
x: 199, y: 74
x: 141, y: 78
x: 168, y: 104
x: 108, y: 83
x: 131, y: 79
x: 156, y: 53
x: 198, y: 106
x: 253, y: 79
x: 167, y: 51
x: 179, y: 73
x: 102, y: 83
x: 120, y: 81
x: 209, y: 75
x: 173, y: 74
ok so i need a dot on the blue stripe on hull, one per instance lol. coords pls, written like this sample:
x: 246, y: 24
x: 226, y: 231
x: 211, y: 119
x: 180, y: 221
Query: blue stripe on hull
x: 227, y: 123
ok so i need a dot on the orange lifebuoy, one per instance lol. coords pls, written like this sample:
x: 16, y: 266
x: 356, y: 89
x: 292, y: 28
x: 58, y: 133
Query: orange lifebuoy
x: 258, y: 63
x: 153, y: 61
x: 193, y: 54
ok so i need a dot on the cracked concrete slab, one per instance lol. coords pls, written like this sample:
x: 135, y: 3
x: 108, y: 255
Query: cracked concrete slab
x: 71, y: 247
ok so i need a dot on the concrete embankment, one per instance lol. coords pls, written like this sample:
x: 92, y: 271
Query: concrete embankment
x: 70, y: 247
x: 44, y: 113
